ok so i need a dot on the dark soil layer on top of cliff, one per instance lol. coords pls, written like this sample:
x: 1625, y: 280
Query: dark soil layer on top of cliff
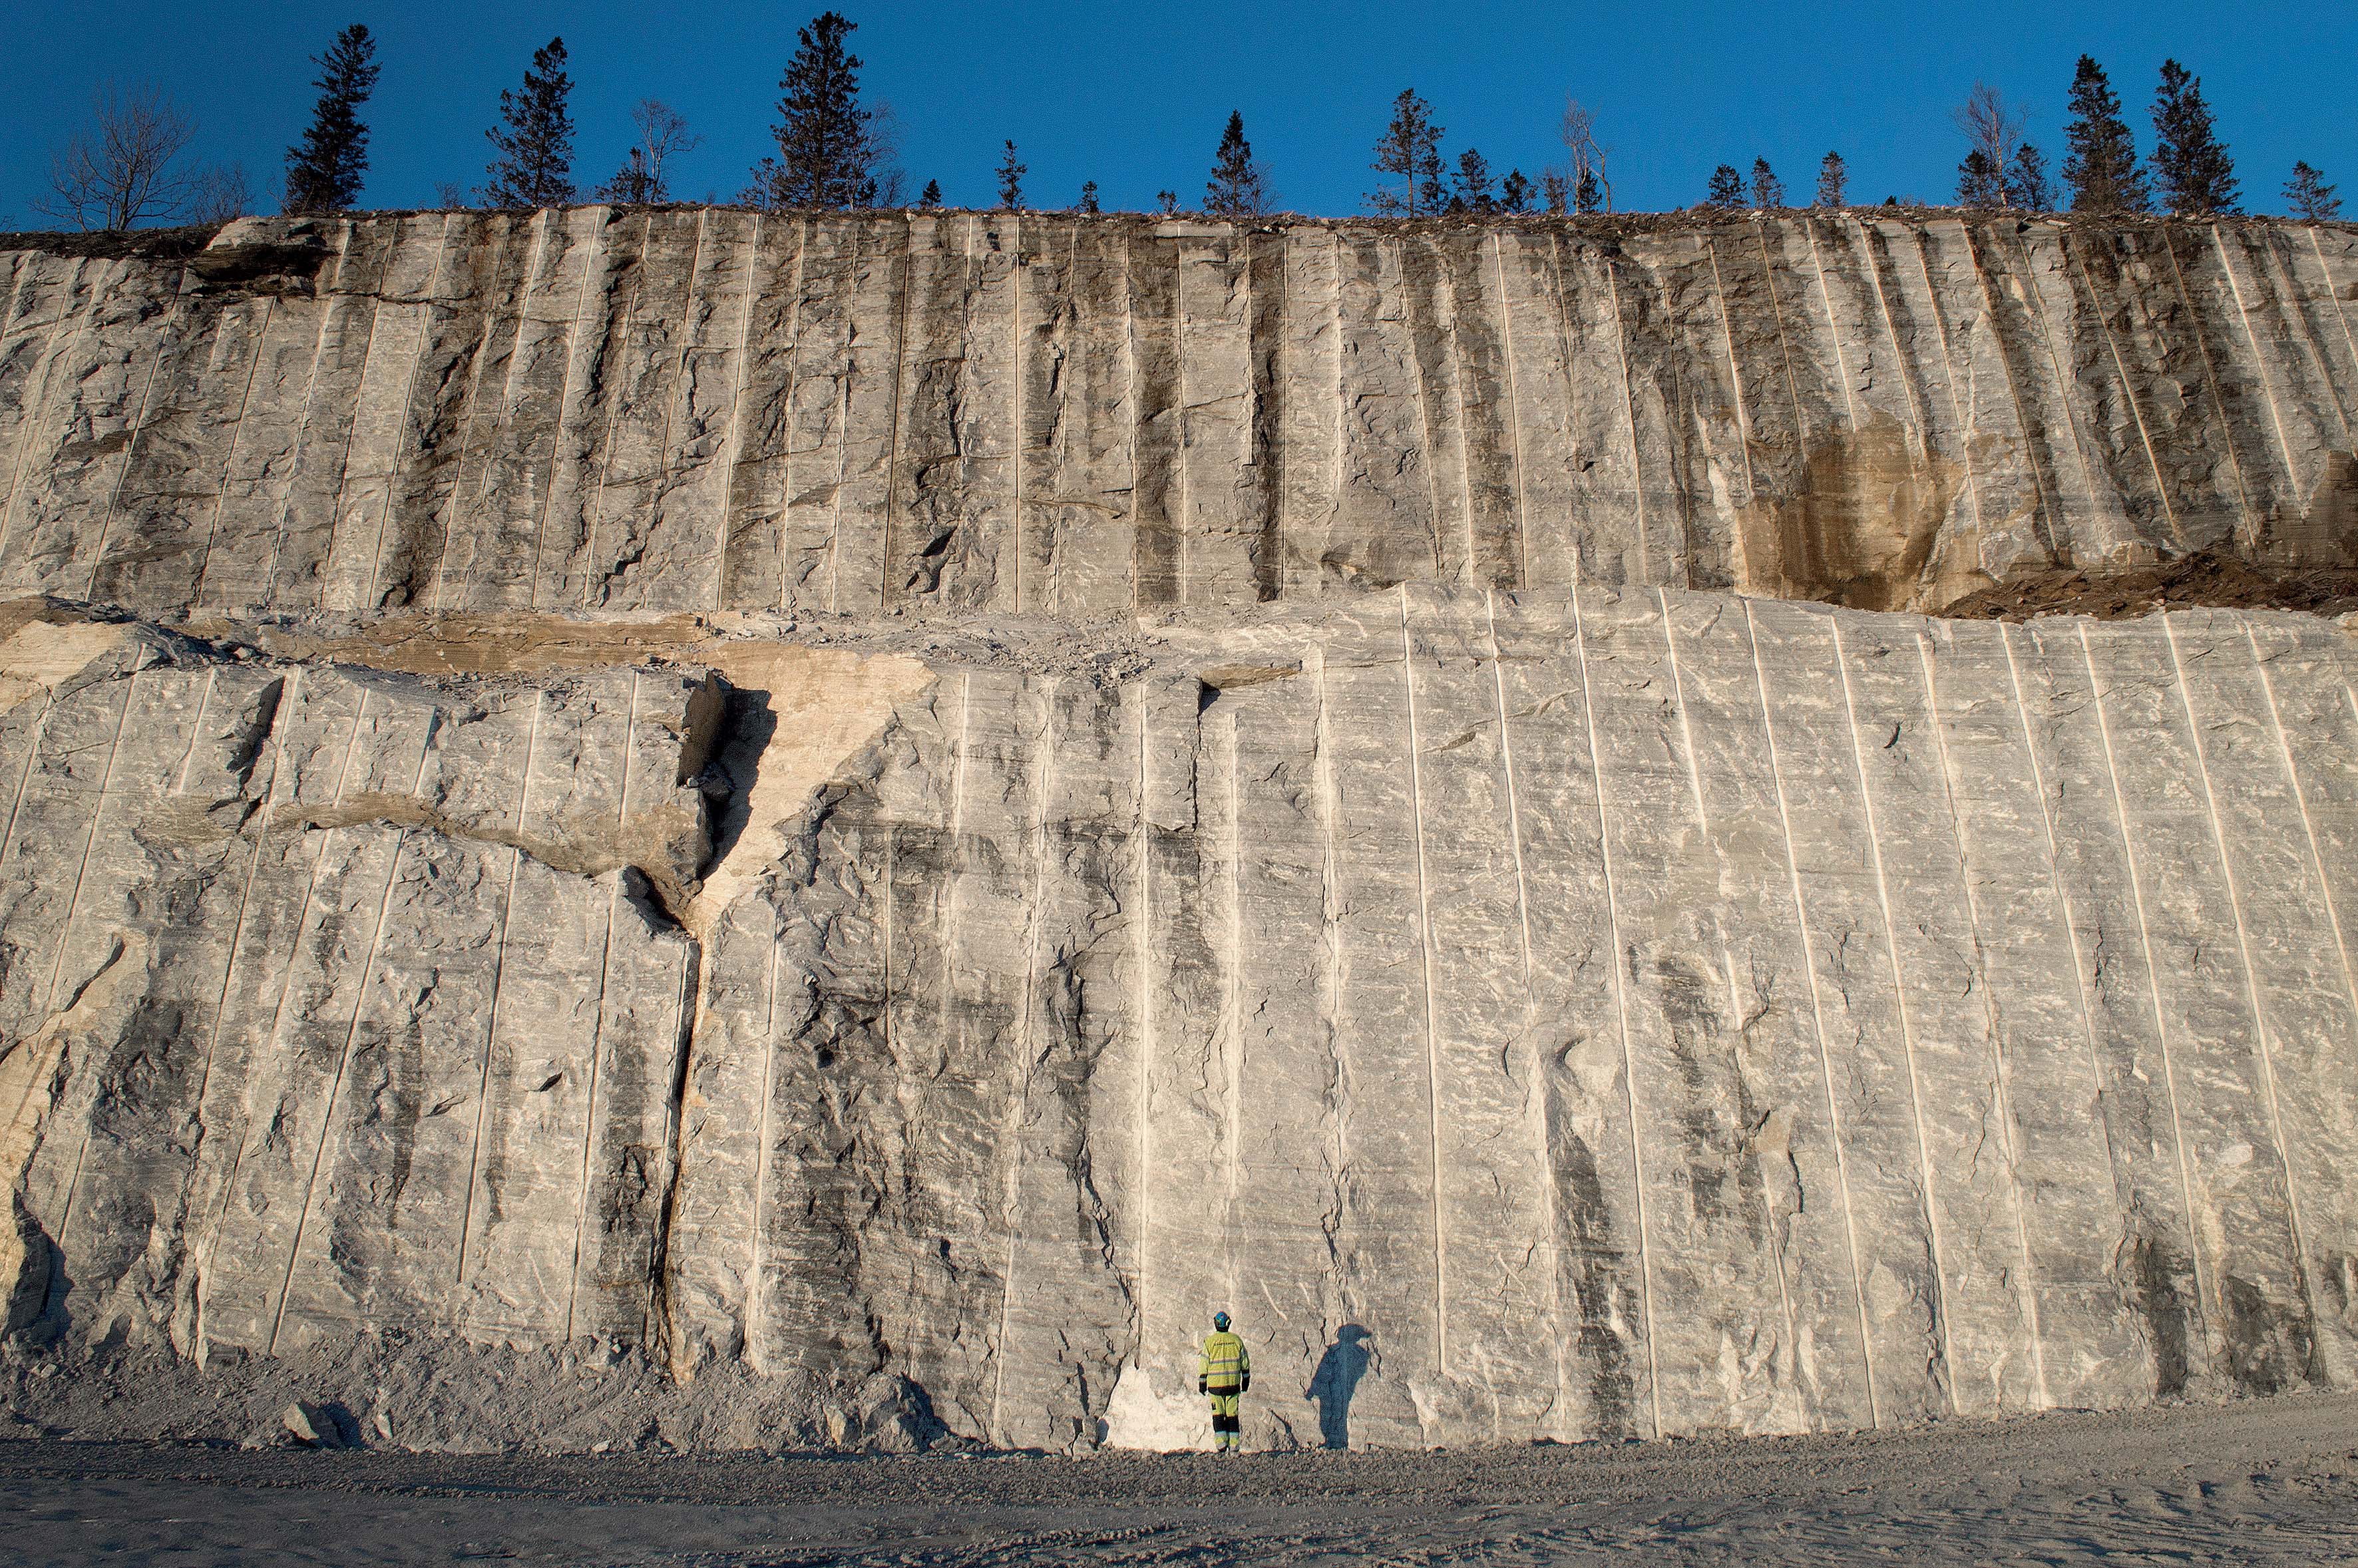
x: 2204, y: 578
x: 179, y: 243
x: 105, y: 244
x: 2271, y: 1481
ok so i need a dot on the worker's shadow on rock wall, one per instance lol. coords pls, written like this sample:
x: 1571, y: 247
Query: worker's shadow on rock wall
x: 1337, y: 1378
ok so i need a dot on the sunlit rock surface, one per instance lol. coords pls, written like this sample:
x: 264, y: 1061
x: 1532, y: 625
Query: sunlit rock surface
x: 702, y: 409
x: 507, y: 870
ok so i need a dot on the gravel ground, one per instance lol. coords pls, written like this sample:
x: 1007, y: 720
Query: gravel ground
x: 2259, y: 1482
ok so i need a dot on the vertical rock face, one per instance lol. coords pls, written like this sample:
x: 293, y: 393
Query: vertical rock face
x: 990, y: 785
x: 1613, y: 1012
x: 695, y: 410
x: 283, y: 1059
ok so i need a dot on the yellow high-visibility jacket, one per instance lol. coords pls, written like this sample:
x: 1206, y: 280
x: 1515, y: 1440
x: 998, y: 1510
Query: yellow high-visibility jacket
x: 1224, y: 1364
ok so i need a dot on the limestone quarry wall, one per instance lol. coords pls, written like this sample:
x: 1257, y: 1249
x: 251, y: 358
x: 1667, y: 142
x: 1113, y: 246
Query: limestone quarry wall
x: 913, y: 801
x: 606, y: 408
x: 1537, y: 1013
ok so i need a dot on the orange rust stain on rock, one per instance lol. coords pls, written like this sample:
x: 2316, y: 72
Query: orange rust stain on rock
x: 1863, y: 526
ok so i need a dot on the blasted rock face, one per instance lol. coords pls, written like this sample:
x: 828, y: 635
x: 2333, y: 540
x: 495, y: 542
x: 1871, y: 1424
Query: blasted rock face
x: 262, y: 950
x: 865, y: 818
x: 608, y: 409
x: 1555, y: 1014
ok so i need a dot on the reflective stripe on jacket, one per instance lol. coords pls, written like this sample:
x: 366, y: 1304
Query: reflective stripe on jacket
x: 1224, y: 1363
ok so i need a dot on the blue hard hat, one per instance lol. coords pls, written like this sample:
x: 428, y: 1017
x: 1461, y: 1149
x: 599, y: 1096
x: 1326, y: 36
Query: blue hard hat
x: 1220, y: 1320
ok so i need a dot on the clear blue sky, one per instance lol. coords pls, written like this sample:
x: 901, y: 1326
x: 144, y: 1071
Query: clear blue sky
x: 1133, y: 96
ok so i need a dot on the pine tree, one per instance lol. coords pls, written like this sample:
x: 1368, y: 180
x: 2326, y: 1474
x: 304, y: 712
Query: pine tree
x: 534, y: 138
x: 2100, y: 164
x: 1166, y: 202
x: 1514, y: 192
x: 2026, y: 184
x: 1239, y: 185
x: 2193, y: 174
x: 2309, y: 197
x: 635, y: 184
x: 1834, y: 177
x: 1588, y: 195
x: 1556, y: 192
x: 1473, y: 182
x: 1727, y: 191
x: 931, y: 196
x: 1980, y: 181
x: 1089, y: 196
x: 1010, y: 181
x: 324, y: 170
x: 833, y: 150
x: 1410, y: 150
x: 1768, y: 191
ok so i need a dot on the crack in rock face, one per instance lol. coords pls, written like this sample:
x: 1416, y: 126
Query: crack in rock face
x: 832, y: 829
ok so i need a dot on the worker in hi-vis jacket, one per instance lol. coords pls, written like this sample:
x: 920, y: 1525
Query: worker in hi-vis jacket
x: 1223, y: 1370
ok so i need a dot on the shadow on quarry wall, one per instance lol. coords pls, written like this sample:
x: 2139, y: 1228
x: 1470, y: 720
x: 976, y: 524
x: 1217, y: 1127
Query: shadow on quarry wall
x: 2151, y: 1273
x: 1336, y: 1380
x: 749, y: 723
x: 33, y: 1304
x: 2326, y: 527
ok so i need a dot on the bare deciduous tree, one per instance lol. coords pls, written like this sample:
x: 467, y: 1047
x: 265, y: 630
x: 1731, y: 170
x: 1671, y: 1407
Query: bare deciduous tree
x: 890, y: 180
x: 1992, y: 127
x: 1583, y: 152
x: 125, y: 168
x: 216, y: 195
x: 663, y: 135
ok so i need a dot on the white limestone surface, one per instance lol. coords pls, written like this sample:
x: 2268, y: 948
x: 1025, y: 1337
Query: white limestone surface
x: 606, y: 408
x: 1547, y: 1013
